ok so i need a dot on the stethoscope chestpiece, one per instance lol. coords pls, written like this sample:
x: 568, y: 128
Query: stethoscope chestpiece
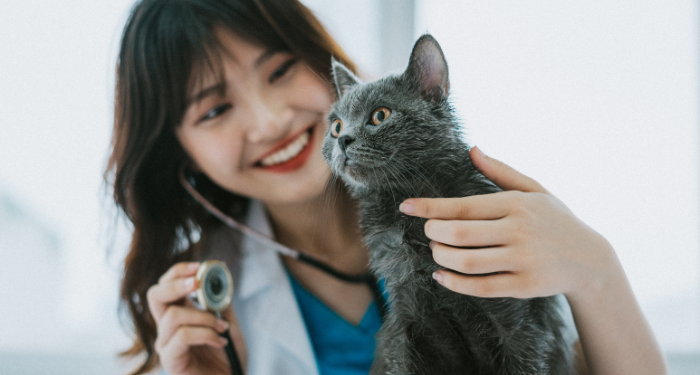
x: 215, y: 289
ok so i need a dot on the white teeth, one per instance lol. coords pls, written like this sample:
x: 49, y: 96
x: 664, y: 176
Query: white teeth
x: 293, y: 149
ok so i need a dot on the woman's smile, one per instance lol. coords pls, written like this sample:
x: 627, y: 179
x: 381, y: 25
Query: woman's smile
x: 290, y: 155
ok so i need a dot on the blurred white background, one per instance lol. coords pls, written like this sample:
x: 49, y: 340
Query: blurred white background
x: 596, y: 100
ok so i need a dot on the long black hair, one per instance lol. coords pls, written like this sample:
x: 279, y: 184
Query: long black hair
x: 166, y: 43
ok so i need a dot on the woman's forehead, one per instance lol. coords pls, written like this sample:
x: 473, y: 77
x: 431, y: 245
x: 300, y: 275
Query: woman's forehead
x: 238, y: 49
x: 229, y: 49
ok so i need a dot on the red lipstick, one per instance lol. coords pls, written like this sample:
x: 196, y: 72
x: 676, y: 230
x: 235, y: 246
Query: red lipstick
x: 294, y: 163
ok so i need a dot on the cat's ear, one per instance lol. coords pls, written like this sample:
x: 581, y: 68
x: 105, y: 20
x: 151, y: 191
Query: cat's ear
x: 343, y: 78
x: 428, y: 68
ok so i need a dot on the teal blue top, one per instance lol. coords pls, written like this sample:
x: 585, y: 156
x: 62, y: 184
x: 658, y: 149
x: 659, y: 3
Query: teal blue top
x: 341, y: 348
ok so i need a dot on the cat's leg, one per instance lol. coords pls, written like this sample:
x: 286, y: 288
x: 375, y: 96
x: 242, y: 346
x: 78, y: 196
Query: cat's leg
x: 530, y: 336
x: 387, y: 260
x: 388, y: 348
x: 397, y: 352
x: 399, y: 355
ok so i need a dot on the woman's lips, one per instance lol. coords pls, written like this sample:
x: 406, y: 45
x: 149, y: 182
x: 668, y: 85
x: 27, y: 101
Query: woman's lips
x: 280, y: 160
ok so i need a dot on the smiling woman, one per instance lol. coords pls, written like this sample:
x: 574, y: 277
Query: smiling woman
x: 234, y: 91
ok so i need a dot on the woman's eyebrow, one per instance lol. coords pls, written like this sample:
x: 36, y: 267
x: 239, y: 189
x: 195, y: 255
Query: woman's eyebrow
x: 218, y: 88
x: 264, y: 57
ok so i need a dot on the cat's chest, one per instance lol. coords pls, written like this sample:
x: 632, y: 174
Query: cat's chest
x: 399, y: 254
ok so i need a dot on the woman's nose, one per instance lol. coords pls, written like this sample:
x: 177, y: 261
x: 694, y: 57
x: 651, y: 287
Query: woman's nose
x: 270, y: 119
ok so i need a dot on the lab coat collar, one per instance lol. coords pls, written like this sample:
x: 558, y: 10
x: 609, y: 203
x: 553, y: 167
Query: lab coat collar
x: 264, y: 279
x: 260, y: 266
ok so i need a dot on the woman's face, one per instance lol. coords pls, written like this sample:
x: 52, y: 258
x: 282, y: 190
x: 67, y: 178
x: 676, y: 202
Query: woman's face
x: 259, y: 133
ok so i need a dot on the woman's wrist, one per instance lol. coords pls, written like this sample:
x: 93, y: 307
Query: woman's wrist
x: 613, y: 332
x: 601, y: 273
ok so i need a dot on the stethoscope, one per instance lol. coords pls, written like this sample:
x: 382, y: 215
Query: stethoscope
x: 363, y: 278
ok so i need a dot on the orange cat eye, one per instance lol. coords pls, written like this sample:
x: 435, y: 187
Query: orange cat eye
x: 336, y: 127
x: 380, y: 114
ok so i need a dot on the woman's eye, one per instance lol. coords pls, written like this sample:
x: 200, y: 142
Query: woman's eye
x: 379, y: 115
x: 282, y: 69
x: 336, y: 127
x: 215, y: 112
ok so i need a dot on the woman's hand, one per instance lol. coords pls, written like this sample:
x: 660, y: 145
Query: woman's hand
x: 531, y: 245
x: 529, y: 241
x: 188, y: 340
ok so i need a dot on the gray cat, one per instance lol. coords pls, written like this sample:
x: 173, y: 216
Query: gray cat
x: 397, y: 138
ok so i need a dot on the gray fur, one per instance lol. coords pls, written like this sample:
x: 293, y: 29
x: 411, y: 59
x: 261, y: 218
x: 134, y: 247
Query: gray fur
x: 418, y: 151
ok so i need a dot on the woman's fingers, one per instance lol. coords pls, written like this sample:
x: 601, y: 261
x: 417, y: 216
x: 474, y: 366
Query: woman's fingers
x: 186, y: 337
x: 469, y: 233
x: 174, y: 285
x: 473, y: 261
x: 503, y: 175
x: 179, y: 316
x: 490, y: 286
x: 475, y: 207
x: 180, y: 270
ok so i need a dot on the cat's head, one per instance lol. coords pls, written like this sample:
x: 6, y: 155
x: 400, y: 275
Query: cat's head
x: 383, y: 132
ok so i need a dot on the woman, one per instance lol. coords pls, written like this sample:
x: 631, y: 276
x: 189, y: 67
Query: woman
x: 232, y: 94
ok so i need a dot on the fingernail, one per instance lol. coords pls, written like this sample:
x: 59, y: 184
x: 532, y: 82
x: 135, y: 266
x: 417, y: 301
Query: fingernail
x: 193, y: 266
x: 431, y: 245
x: 223, y: 341
x: 407, y: 207
x: 222, y: 325
x: 438, y: 277
x: 189, y: 283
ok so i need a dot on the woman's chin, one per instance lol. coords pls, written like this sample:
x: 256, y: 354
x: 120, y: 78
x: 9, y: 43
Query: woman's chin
x: 301, y: 191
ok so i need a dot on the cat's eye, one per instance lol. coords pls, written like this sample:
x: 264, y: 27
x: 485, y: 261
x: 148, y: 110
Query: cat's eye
x: 336, y: 127
x: 380, y: 114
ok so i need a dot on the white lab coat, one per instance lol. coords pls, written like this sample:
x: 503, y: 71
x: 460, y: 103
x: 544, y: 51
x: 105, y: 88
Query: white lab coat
x: 267, y: 310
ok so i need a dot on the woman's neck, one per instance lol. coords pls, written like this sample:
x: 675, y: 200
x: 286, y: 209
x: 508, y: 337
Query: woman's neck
x: 326, y: 227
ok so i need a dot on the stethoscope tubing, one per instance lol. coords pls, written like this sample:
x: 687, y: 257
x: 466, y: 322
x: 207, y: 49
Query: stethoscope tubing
x: 367, y: 277
x: 267, y: 241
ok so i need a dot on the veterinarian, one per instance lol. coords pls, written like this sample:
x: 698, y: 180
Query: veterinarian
x: 229, y: 96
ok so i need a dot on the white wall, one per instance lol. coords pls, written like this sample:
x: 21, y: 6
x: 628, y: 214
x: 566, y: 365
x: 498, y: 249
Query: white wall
x: 354, y: 25
x: 597, y: 100
x: 56, y: 82
x: 24, y: 270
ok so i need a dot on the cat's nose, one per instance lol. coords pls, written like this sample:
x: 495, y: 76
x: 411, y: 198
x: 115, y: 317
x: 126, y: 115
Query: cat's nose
x: 344, y: 141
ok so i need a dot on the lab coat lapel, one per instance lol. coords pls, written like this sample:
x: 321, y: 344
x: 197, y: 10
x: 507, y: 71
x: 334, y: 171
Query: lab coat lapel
x: 264, y: 279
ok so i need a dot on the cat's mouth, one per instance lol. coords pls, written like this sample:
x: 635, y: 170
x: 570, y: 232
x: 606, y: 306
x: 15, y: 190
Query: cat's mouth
x: 358, y: 171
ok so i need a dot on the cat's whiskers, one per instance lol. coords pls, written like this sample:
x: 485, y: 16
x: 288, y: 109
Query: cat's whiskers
x: 407, y: 182
x: 411, y: 167
x: 428, y: 182
x: 334, y: 196
x: 397, y: 173
x: 388, y: 181
x: 328, y: 199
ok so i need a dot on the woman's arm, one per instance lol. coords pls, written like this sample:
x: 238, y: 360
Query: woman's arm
x: 536, y: 247
x: 614, y: 336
